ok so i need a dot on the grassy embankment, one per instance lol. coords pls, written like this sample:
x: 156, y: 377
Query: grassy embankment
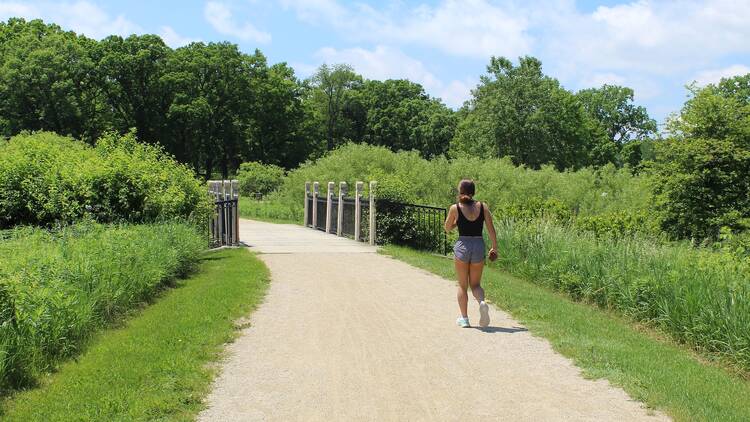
x: 59, y: 287
x: 648, y: 366
x: 154, y: 367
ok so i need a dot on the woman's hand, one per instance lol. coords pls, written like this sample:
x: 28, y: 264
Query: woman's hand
x: 493, y: 254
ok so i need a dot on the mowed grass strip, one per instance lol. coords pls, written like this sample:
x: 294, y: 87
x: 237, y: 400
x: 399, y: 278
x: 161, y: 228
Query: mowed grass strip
x: 657, y: 372
x: 157, y: 366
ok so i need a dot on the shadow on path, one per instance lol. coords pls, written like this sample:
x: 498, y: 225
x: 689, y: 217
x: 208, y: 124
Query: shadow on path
x: 500, y: 329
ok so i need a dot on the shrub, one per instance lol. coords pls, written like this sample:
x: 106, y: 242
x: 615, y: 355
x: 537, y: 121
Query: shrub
x: 259, y: 178
x: 57, y: 287
x: 47, y: 179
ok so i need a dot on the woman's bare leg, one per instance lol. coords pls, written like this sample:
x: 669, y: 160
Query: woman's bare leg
x: 475, y: 278
x: 462, y: 273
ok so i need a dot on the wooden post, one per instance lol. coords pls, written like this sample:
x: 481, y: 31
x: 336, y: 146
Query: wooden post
x: 358, y: 209
x: 307, y: 206
x: 329, y: 205
x: 340, y: 217
x: 316, y: 187
x: 373, y: 186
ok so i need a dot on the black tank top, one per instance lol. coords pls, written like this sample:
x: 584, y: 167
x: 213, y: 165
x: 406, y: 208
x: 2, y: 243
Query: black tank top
x: 470, y: 228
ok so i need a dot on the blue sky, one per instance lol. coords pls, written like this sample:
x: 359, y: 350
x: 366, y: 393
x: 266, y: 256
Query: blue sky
x: 654, y: 47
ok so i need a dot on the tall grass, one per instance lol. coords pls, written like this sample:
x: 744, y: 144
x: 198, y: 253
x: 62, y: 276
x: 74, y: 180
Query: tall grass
x: 56, y: 288
x: 699, y: 297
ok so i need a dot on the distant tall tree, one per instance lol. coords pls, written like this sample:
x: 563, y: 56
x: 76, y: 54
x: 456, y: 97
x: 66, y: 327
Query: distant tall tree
x: 627, y: 125
x: 46, y: 81
x: 519, y: 112
x: 131, y: 74
x: 211, y: 110
x: 399, y: 114
x: 333, y: 83
x: 278, y: 135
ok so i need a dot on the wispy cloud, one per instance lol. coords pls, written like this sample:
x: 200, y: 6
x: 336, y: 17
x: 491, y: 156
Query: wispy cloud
x: 715, y: 75
x: 219, y: 15
x: 173, y: 39
x: 84, y: 17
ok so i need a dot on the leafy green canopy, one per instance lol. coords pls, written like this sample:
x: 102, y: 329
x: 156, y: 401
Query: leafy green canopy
x: 702, y: 174
x: 519, y: 112
x: 47, y: 179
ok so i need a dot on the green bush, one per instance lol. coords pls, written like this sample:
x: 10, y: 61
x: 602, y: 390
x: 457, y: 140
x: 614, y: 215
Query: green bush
x: 259, y: 178
x: 47, y: 179
x: 702, y: 185
x: 57, y: 287
x: 698, y: 296
x: 409, y: 177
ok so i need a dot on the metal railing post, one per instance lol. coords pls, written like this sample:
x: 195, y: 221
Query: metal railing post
x: 329, y: 205
x: 236, y: 197
x: 340, y: 217
x: 316, y: 188
x: 373, y: 186
x: 307, y: 205
x: 357, y: 210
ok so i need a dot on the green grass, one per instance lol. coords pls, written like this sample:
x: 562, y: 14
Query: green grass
x: 269, y: 211
x: 699, y: 297
x: 155, y: 367
x: 58, y: 288
x: 653, y: 370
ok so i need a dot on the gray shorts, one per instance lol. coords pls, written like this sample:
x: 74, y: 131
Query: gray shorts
x: 469, y: 249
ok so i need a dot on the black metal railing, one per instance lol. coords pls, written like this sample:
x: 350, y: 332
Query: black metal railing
x: 309, y: 210
x: 320, y: 224
x: 413, y: 225
x: 222, y: 229
x: 334, y: 215
x: 347, y: 220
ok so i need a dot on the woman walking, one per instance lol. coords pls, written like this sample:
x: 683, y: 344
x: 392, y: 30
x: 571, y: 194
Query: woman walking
x: 470, y: 216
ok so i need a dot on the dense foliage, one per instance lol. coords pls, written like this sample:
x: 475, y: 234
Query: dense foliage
x: 47, y: 179
x: 57, y: 287
x: 519, y: 112
x: 509, y: 190
x: 214, y: 107
x: 259, y: 178
x: 702, y: 174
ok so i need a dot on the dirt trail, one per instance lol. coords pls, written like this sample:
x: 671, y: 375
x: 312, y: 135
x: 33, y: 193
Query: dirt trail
x: 347, y: 334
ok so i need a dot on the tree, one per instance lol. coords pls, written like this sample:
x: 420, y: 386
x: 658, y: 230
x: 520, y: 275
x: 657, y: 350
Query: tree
x: 333, y: 83
x: 277, y: 135
x: 702, y: 174
x: 210, y: 112
x: 625, y: 123
x: 519, y: 112
x: 46, y: 81
x: 399, y: 114
x: 131, y: 74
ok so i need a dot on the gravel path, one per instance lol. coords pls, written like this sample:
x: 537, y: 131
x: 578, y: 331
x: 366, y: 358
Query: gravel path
x: 347, y: 334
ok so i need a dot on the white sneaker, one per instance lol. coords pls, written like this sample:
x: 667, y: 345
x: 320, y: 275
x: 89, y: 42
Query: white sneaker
x: 484, y: 314
x: 463, y: 322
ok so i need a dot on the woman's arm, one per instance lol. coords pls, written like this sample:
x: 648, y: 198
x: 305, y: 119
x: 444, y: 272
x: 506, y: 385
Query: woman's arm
x: 490, y: 227
x: 451, y: 219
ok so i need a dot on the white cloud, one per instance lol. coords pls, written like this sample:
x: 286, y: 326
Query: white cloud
x: 173, y: 39
x: 715, y: 75
x: 385, y: 62
x: 596, y: 80
x: 219, y: 15
x: 82, y: 17
x: 471, y: 28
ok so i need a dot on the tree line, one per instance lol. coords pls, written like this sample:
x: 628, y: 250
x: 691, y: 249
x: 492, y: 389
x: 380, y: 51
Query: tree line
x: 213, y: 106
